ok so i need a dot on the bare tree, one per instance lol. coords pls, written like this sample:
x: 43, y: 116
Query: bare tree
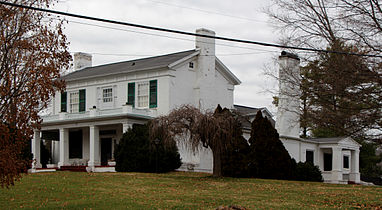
x: 339, y: 91
x: 362, y: 21
x: 33, y: 50
x: 188, y: 125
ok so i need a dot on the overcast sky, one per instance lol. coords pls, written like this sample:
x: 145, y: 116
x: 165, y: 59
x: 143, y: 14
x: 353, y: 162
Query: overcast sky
x: 240, y: 19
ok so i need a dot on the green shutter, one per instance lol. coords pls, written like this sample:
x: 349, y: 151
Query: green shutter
x: 82, y: 98
x: 63, y: 101
x: 131, y: 94
x: 153, y: 93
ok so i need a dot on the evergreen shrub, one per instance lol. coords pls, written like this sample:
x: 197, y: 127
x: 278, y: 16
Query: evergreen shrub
x: 136, y: 153
x: 307, y: 172
x: 235, y: 158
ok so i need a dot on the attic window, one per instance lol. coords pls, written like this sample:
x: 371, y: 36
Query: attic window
x: 191, y: 65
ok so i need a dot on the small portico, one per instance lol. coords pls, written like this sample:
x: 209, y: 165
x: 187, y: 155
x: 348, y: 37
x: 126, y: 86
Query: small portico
x: 339, y: 159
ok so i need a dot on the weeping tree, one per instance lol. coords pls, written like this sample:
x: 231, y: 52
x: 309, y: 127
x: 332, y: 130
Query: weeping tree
x: 214, y: 130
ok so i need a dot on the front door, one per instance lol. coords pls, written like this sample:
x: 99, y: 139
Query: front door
x: 105, y: 150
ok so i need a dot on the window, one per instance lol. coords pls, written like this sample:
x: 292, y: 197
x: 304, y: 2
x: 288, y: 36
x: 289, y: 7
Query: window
x: 346, y: 161
x: 191, y: 65
x: 147, y: 94
x: 310, y: 157
x: 328, y: 161
x: 74, y: 102
x: 143, y: 94
x: 107, y: 95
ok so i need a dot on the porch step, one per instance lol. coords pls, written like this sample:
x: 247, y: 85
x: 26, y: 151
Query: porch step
x: 73, y: 168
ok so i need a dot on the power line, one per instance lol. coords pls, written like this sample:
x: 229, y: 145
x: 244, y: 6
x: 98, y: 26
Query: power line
x: 136, y: 55
x: 171, y: 37
x: 206, y: 11
x: 182, y: 32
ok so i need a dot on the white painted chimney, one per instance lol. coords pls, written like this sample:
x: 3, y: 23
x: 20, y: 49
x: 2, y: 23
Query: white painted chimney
x: 82, y: 60
x: 206, y: 45
x: 204, y: 87
x: 288, y: 112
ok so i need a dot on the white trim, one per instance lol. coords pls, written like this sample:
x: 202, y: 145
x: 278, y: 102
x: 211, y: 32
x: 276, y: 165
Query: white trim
x: 197, y: 51
x: 226, y: 72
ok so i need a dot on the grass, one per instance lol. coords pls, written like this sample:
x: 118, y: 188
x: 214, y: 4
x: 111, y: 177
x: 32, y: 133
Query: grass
x: 178, y: 190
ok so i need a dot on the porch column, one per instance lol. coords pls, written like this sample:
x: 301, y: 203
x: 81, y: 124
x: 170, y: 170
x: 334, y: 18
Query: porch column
x: 336, y: 165
x: 64, y: 147
x: 320, y: 159
x: 354, y: 175
x: 36, y: 141
x: 94, y: 147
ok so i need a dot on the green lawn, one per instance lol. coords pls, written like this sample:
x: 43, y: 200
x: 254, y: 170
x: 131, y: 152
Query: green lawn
x: 178, y: 191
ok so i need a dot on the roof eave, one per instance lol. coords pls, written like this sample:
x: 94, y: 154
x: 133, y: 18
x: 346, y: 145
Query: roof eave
x: 227, y: 72
x: 171, y: 65
x: 164, y: 67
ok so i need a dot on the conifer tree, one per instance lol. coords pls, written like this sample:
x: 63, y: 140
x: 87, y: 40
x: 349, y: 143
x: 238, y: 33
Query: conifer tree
x: 137, y: 153
x: 268, y: 156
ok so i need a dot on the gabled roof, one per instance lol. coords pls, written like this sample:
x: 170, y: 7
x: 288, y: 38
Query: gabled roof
x: 127, y: 66
x: 246, y: 110
x: 248, y: 113
x: 156, y: 62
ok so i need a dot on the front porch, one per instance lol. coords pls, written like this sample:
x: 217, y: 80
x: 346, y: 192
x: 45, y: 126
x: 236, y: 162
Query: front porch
x: 83, y: 141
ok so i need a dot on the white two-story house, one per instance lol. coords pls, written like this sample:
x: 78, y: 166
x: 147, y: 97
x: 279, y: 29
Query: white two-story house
x: 101, y: 102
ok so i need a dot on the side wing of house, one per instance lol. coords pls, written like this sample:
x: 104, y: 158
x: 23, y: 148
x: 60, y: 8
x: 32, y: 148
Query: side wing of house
x: 190, y: 85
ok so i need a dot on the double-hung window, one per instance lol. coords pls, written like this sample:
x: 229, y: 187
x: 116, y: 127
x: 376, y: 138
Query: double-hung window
x: 143, y: 94
x: 146, y: 94
x: 76, y: 99
x: 74, y: 102
x: 107, y: 95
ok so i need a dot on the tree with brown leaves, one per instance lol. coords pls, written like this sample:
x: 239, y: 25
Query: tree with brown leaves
x: 189, y: 126
x: 33, y: 51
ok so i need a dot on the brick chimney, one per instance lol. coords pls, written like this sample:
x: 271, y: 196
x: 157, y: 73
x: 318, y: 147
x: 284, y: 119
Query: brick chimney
x: 82, y: 60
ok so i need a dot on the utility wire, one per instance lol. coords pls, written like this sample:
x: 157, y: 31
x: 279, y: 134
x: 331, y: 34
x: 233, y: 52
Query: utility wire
x: 182, y: 32
x: 171, y: 37
x: 206, y: 11
x: 136, y: 55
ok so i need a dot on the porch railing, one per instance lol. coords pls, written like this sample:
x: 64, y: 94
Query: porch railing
x: 126, y: 109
